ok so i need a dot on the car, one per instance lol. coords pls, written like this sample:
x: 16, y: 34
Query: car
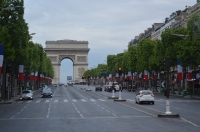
x: 98, y: 88
x: 26, y: 94
x: 144, y: 96
x: 47, y: 92
x: 55, y: 85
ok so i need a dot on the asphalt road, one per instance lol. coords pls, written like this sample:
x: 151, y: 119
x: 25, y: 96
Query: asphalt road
x: 73, y: 109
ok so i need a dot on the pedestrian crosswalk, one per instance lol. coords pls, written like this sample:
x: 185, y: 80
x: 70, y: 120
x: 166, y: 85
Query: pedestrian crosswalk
x: 61, y: 100
x: 94, y: 100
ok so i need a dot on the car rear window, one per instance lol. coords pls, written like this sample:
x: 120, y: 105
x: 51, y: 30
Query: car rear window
x: 146, y: 92
x: 26, y: 92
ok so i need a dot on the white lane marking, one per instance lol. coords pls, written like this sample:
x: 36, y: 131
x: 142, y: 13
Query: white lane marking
x: 114, y: 115
x: 102, y: 100
x: 38, y: 101
x: 19, y: 112
x: 108, y: 111
x: 83, y: 100
x: 47, y: 101
x: 131, y: 100
x: 93, y: 100
x: 29, y: 101
x: 49, y: 108
x: 190, y: 122
x: 197, y: 112
x: 55, y: 100
x: 74, y: 100
x: 67, y: 95
x: 77, y: 111
x: 65, y: 100
x: 20, y: 102
x: 138, y: 110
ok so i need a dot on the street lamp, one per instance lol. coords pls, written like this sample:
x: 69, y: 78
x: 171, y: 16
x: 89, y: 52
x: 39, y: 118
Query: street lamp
x: 32, y: 34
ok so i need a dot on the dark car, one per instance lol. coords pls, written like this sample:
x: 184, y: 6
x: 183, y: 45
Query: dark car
x: 47, y: 92
x: 98, y: 88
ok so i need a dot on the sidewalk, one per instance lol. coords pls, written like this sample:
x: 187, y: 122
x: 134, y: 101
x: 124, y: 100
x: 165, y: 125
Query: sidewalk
x: 13, y: 99
x: 187, y: 96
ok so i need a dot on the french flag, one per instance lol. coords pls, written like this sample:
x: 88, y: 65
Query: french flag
x: 179, y: 67
x: 189, y: 77
x: 36, y: 76
x: 32, y: 76
x: 154, y: 75
x: 129, y: 75
x: 1, y: 56
x: 135, y: 76
x: 145, y: 75
x: 21, y: 72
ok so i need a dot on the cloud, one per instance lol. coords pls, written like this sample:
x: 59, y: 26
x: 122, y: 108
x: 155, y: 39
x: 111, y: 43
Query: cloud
x: 108, y: 25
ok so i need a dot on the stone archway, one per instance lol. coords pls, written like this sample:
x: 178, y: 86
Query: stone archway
x: 77, y: 51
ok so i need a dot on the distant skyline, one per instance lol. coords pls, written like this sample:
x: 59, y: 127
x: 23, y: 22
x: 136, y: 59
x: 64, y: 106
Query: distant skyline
x: 108, y: 25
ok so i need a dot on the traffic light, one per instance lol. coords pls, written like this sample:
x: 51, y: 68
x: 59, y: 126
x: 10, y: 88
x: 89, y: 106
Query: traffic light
x: 120, y: 71
x: 166, y: 63
x: 82, y: 77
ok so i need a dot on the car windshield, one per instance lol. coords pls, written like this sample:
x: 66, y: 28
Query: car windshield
x: 47, y: 90
x: 25, y: 92
x: 146, y: 92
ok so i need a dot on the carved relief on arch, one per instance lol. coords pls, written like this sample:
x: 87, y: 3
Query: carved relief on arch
x: 72, y: 57
x: 81, y: 71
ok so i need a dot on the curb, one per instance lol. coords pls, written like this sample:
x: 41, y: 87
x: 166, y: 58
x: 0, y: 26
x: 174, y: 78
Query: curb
x: 168, y: 115
x: 120, y: 100
x: 112, y: 97
x: 6, y: 102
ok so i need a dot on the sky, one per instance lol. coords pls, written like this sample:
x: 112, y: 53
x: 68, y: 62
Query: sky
x: 108, y: 25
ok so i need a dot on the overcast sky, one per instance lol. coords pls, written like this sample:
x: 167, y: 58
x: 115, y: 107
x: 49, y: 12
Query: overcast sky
x: 108, y: 25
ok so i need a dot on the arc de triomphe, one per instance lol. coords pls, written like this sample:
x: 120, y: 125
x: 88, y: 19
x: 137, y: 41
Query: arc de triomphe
x: 76, y: 51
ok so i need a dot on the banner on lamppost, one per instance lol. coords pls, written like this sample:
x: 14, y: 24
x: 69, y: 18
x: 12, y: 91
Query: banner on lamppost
x: 1, y: 56
x: 21, y: 72
x: 145, y: 75
x: 129, y: 75
x: 36, y: 76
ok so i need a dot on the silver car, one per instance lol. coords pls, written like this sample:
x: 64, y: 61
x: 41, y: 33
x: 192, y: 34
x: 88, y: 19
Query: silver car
x: 27, y: 94
x: 144, y: 96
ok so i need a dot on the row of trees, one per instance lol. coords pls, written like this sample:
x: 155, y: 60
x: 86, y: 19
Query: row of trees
x: 182, y: 43
x: 18, y: 47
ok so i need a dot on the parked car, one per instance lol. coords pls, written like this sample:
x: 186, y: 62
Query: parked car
x: 144, y: 96
x: 55, y: 85
x: 26, y: 94
x: 47, y: 92
x: 98, y: 88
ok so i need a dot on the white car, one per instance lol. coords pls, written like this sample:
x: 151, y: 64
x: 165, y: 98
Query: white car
x: 144, y: 96
x: 26, y: 94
